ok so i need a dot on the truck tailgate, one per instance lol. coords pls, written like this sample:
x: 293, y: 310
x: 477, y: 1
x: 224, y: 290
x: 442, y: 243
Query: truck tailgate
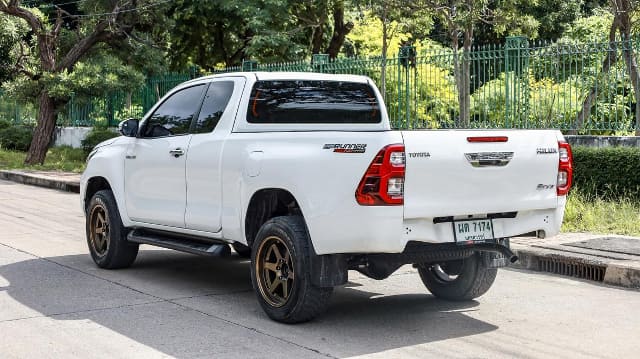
x: 448, y: 174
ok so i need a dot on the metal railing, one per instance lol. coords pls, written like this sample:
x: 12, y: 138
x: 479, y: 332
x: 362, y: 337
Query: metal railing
x: 579, y: 88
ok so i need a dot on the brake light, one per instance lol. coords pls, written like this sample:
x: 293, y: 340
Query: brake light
x: 488, y: 139
x: 383, y: 182
x: 565, y: 168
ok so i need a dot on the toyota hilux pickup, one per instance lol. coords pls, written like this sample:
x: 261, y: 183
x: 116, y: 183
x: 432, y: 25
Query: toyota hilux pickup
x: 303, y: 173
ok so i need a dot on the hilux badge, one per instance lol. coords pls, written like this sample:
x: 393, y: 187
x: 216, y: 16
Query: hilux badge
x: 544, y: 151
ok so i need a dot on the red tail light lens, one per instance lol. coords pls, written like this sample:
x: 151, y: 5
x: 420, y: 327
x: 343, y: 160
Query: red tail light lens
x: 488, y: 139
x: 383, y: 182
x: 565, y: 168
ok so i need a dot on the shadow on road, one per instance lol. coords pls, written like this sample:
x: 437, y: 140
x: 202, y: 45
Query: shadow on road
x: 168, y: 300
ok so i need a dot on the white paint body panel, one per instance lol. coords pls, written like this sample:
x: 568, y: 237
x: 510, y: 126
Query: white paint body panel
x: 226, y: 168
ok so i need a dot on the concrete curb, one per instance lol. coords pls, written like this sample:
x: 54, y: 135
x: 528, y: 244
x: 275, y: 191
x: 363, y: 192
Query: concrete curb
x: 622, y: 273
x: 39, y: 180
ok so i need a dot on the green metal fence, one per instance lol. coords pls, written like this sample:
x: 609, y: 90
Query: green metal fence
x: 579, y: 88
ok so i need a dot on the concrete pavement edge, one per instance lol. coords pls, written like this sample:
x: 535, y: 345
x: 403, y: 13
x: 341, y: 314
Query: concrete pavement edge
x: 39, y: 180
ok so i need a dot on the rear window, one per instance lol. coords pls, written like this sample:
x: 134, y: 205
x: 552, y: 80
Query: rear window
x: 306, y: 101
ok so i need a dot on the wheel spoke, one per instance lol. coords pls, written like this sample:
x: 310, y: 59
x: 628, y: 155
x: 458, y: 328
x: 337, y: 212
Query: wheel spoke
x: 285, y: 289
x: 270, y: 266
x: 273, y: 286
x: 101, y: 218
x: 276, y: 251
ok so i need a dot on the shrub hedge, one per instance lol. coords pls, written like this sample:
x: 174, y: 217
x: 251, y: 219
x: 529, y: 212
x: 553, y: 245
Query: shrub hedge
x: 610, y: 172
x: 95, y: 136
x: 15, y: 137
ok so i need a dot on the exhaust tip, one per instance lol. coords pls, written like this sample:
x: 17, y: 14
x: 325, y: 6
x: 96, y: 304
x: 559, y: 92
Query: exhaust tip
x: 513, y: 259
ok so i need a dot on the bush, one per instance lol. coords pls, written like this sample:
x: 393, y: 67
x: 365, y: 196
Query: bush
x: 610, y: 173
x: 96, y: 136
x: 16, y: 137
x: 4, y: 124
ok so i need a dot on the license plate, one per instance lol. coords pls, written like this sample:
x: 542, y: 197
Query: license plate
x: 474, y: 230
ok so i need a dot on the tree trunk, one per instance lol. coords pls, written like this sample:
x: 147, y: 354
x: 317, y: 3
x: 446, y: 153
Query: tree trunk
x: 316, y: 39
x: 609, y: 61
x: 383, y: 73
x: 44, y: 130
x: 629, y: 56
x: 340, y: 30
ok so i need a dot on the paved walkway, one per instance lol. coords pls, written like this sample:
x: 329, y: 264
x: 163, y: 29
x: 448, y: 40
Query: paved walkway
x: 618, y: 257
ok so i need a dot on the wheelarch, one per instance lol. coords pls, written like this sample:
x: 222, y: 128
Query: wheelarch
x: 95, y: 184
x: 266, y: 204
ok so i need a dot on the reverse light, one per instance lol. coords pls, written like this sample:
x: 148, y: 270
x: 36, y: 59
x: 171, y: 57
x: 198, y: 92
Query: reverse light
x: 383, y: 181
x: 565, y: 168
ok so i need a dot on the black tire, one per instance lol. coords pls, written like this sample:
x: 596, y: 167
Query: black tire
x: 299, y: 300
x: 458, y: 280
x: 106, y: 236
x: 242, y: 250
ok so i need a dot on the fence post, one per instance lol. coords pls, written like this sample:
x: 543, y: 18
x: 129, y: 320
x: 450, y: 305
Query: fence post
x: 406, y: 61
x: 318, y: 61
x: 249, y: 65
x: 516, y: 67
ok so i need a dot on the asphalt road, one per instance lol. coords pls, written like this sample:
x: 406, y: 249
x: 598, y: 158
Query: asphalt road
x: 55, y: 303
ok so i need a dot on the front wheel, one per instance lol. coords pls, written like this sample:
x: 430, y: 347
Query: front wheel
x: 458, y: 280
x: 106, y: 236
x: 280, y: 272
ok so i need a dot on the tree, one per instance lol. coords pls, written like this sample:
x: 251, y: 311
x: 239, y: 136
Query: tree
x: 622, y: 11
x: 59, y: 47
x: 460, y: 19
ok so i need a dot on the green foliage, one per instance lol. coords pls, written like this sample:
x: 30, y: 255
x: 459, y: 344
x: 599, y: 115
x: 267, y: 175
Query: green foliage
x: 610, y: 173
x: 95, y: 136
x: 4, y: 124
x: 16, y: 138
x: 214, y: 34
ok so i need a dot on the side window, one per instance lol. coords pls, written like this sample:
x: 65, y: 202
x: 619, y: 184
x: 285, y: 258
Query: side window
x: 215, y: 102
x: 174, y: 116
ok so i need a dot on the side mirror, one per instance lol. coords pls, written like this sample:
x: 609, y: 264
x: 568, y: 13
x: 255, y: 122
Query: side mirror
x: 128, y: 128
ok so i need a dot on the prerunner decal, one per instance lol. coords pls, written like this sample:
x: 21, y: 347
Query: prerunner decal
x: 346, y: 147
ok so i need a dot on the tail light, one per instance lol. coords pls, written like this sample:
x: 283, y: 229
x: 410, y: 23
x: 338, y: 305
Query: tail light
x: 383, y: 182
x: 565, y: 168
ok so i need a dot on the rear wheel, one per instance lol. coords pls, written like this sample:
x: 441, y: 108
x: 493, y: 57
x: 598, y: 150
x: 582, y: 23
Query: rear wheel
x: 458, y: 280
x: 280, y: 272
x: 106, y: 236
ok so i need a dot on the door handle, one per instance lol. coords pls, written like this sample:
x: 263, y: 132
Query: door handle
x: 176, y: 152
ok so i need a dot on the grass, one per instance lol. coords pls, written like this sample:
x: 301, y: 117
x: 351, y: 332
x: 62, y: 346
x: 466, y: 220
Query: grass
x: 597, y: 215
x: 62, y: 158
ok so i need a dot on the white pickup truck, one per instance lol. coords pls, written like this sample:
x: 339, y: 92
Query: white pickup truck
x: 302, y: 173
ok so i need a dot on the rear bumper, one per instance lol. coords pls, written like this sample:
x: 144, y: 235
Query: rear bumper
x: 381, y: 230
x: 547, y: 220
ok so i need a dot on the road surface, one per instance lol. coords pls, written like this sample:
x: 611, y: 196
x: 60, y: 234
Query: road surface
x: 55, y: 303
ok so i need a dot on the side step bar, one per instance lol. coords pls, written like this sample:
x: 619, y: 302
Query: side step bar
x: 182, y: 244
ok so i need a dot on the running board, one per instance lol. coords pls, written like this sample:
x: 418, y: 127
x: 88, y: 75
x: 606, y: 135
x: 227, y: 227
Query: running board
x: 181, y: 244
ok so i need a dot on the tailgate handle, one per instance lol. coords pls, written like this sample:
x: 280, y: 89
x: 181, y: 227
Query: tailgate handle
x: 489, y: 159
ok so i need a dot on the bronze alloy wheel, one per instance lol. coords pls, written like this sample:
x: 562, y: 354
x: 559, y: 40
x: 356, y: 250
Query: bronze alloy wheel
x: 274, y: 271
x: 99, y: 230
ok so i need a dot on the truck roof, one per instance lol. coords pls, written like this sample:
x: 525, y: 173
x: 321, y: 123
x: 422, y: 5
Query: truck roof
x: 282, y: 75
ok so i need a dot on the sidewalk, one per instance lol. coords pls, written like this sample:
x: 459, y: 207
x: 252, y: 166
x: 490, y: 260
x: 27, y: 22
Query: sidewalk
x: 65, y: 181
x: 611, y: 259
